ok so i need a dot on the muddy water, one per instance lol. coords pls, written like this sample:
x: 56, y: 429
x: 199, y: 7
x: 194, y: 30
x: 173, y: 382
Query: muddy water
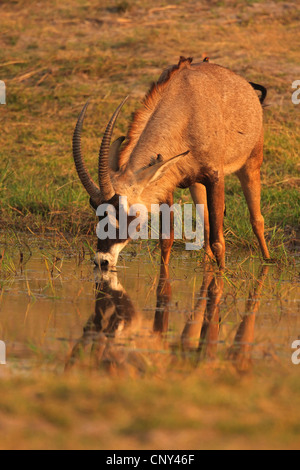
x: 57, y: 315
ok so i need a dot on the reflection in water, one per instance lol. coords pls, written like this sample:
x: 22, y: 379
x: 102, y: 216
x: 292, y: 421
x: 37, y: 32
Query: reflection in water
x: 204, y: 324
x: 164, y: 296
x: 114, y: 314
x: 112, y: 331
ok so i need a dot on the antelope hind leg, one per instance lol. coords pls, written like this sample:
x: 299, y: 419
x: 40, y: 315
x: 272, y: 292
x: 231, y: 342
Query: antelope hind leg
x: 249, y: 177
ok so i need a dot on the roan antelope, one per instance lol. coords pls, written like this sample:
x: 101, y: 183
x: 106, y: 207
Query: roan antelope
x: 204, y: 108
x: 113, y: 333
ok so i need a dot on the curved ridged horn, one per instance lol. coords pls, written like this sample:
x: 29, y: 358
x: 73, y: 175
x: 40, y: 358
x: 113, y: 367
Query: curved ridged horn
x: 82, y: 171
x: 107, y: 189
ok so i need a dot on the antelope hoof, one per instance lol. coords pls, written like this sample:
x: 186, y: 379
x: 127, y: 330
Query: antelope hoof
x: 219, y: 252
x: 217, y: 249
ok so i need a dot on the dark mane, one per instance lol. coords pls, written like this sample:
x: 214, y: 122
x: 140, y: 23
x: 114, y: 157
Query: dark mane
x: 262, y: 89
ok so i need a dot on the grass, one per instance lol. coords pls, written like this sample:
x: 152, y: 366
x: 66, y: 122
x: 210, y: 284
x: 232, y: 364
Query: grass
x: 150, y: 398
x: 214, y: 409
x: 53, y: 56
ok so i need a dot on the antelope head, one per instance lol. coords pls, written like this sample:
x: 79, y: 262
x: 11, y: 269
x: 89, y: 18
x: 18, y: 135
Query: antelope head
x: 115, y: 183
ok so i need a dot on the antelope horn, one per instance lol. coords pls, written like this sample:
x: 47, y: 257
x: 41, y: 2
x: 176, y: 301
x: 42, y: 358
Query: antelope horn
x: 107, y: 189
x: 91, y: 188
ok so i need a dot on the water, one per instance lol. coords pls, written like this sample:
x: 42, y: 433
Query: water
x: 58, y: 314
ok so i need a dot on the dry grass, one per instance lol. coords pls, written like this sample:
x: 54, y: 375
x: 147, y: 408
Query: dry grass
x: 205, y: 410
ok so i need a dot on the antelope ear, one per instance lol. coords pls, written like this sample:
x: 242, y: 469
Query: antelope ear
x: 94, y: 204
x: 114, y: 154
x: 156, y: 171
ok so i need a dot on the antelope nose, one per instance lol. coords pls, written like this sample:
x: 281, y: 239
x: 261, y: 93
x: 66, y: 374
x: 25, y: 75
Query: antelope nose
x: 100, y: 261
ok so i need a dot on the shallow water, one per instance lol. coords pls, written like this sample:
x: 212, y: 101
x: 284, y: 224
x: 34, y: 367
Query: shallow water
x: 58, y: 314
